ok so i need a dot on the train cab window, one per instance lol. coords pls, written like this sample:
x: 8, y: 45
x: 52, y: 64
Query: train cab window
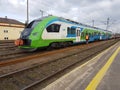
x: 53, y: 28
x: 32, y: 24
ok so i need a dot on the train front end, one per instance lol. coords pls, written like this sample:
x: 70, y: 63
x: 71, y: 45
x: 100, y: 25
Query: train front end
x: 25, y: 41
x: 31, y: 37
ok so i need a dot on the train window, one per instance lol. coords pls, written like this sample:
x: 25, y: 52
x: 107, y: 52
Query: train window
x: 94, y: 33
x: 71, y: 30
x: 30, y: 24
x: 53, y: 28
x: 86, y: 33
x: 82, y: 34
x: 68, y: 30
x: 89, y: 34
x: 99, y: 33
x: 78, y: 32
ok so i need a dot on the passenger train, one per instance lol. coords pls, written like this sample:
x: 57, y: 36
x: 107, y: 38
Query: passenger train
x: 57, y: 32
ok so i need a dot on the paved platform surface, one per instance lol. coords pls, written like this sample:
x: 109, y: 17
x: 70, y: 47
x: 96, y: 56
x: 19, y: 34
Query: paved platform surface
x: 111, y: 80
x: 100, y: 73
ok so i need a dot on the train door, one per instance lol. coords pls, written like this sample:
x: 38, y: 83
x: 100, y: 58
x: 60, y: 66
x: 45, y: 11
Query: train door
x: 78, y: 34
x: 100, y: 36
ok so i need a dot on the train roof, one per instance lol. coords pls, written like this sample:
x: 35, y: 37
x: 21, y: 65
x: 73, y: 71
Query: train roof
x: 85, y: 25
x: 73, y: 22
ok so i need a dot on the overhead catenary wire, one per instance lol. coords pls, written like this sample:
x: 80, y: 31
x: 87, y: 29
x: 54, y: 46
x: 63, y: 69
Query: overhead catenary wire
x: 50, y: 7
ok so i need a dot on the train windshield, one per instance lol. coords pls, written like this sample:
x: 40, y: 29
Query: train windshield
x: 32, y: 24
x: 26, y: 32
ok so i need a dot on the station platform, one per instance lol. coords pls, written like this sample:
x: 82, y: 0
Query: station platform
x: 99, y: 73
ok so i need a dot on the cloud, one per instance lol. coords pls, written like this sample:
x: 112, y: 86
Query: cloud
x: 13, y: 9
x: 79, y: 10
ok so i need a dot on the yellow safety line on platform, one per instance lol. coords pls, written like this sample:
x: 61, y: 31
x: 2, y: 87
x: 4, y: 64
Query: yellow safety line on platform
x: 96, y: 80
x: 93, y: 59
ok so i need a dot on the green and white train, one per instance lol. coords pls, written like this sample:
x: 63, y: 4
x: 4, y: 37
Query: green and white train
x: 57, y: 32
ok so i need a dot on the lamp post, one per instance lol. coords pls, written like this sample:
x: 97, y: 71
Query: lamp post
x: 41, y: 13
x: 93, y: 23
x: 107, y: 24
x: 27, y: 12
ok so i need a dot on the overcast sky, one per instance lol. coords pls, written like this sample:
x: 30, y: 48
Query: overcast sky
x: 83, y: 11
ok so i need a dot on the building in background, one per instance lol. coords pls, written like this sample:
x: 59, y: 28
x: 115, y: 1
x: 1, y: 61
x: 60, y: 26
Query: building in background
x: 10, y: 29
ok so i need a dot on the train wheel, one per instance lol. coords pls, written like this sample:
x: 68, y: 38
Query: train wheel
x: 66, y: 44
x: 62, y: 44
x: 69, y: 43
x: 55, y: 45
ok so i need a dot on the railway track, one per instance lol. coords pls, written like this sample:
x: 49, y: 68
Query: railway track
x: 15, y: 56
x: 6, y: 43
x: 28, y: 78
x: 10, y: 51
x: 7, y: 47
